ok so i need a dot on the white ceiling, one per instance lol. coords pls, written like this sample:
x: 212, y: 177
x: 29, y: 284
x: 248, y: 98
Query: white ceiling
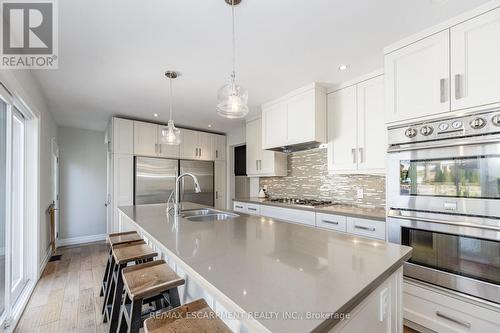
x: 113, y: 53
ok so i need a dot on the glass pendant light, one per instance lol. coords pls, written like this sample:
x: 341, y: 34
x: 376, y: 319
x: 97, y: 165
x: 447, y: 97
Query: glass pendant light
x: 232, y: 98
x: 170, y: 134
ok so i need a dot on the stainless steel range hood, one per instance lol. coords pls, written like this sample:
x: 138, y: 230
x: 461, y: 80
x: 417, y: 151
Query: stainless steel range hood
x: 297, y: 147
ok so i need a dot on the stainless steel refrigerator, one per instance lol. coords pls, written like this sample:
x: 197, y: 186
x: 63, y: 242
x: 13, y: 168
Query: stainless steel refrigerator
x: 155, y: 180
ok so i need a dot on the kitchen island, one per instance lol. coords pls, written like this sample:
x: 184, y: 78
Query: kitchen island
x: 265, y: 275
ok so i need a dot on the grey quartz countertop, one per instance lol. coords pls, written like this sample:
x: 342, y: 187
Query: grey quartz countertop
x: 374, y: 213
x: 263, y: 264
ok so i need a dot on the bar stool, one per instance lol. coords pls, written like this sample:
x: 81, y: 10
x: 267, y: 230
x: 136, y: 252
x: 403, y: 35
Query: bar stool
x: 123, y: 254
x: 151, y: 282
x: 116, y: 239
x: 201, y: 320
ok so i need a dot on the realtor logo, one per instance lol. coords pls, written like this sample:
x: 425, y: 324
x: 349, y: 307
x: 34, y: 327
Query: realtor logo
x: 29, y: 34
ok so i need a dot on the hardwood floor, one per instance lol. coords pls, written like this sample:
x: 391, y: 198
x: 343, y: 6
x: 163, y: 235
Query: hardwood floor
x: 66, y: 299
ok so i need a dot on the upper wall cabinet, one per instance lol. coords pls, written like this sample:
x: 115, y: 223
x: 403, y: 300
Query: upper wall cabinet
x: 262, y: 163
x: 475, y: 61
x: 356, y: 129
x: 197, y: 145
x: 297, y: 118
x: 453, y: 69
x: 417, y: 79
x: 147, y: 141
x: 122, y: 138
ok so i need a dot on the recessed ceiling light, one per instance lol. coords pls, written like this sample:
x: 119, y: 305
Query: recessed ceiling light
x: 209, y: 125
x: 155, y: 115
x: 343, y: 67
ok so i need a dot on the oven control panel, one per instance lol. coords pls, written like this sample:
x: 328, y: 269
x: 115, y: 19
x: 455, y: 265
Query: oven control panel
x: 447, y: 128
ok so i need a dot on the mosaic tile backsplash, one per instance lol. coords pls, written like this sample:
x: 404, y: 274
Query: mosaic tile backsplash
x: 308, y: 178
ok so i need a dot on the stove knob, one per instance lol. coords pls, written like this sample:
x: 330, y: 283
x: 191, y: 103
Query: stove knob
x: 410, y: 132
x: 457, y: 124
x: 443, y: 126
x: 478, y: 123
x: 496, y: 120
x: 426, y: 130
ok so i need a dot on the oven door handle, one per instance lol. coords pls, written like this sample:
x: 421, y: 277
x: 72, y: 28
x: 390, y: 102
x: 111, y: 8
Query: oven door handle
x: 393, y: 213
x: 454, y: 143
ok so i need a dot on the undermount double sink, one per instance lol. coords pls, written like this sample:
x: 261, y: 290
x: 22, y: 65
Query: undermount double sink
x: 207, y: 215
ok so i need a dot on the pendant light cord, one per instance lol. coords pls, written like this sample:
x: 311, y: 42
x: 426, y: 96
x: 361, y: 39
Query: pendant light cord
x: 233, y: 75
x: 171, y: 96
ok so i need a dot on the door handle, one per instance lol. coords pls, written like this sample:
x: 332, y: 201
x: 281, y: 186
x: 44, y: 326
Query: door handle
x: 353, y: 151
x: 458, y: 86
x: 443, y: 95
x: 453, y: 319
x: 361, y: 159
x: 330, y: 222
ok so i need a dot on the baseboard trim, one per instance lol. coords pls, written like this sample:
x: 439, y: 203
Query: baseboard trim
x: 80, y: 240
x: 44, y: 262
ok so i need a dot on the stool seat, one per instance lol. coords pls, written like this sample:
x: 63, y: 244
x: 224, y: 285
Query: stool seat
x: 123, y: 237
x: 125, y: 254
x: 149, y: 279
x: 201, y: 320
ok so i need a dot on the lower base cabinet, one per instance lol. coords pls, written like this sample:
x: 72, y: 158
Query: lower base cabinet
x: 433, y: 309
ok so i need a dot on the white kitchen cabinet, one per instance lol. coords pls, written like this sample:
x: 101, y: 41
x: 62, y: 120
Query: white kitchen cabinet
x: 366, y: 228
x: 196, y: 145
x: 297, y: 118
x: 123, y: 185
x: 239, y: 206
x: 475, y: 61
x: 220, y: 184
x: 122, y: 138
x: 440, y: 311
x: 145, y: 139
x: 253, y: 209
x: 219, y: 147
x: 371, y: 128
x: 288, y: 214
x: 331, y: 222
x: 356, y: 129
x: 418, y: 78
x: 342, y: 129
x: 262, y: 163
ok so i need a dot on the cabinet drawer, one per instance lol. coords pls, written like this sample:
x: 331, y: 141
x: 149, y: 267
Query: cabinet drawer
x: 253, y: 209
x: 367, y: 228
x: 239, y: 207
x: 287, y: 214
x: 332, y: 222
x: 442, y: 313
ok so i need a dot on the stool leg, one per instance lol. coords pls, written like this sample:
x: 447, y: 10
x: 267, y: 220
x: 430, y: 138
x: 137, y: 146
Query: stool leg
x: 106, y: 273
x: 135, y: 316
x: 117, y: 300
x: 173, y: 295
x: 122, y: 323
x: 110, y: 288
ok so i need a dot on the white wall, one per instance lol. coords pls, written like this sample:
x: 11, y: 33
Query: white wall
x: 26, y: 88
x: 82, y: 170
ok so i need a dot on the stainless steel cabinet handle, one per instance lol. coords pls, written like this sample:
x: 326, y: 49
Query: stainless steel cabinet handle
x: 260, y: 164
x: 453, y: 319
x: 240, y: 207
x: 361, y: 159
x: 200, y: 151
x: 216, y: 153
x: 458, y: 86
x: 160, y: 148
x: 156, y: 148
x: 443, y: 91
x: 330, y: 222
x: 216, y: 194
x: 256, y: 164
x: 253, y: 209
x: 353, y: 151
x: 364, y: 228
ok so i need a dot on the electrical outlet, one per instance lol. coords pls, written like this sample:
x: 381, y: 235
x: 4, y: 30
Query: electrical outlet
x: 361, y: 193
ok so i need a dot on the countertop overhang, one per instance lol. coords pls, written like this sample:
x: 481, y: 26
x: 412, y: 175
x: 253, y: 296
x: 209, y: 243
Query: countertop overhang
x: 266, y: 265
x: 372, y: 213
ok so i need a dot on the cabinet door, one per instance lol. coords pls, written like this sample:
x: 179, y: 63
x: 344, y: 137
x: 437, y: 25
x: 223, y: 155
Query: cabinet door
x: 123, y: 186
x: 417, y: 78
x: 220, y: 147
x: 372, y: 136
x: 342, y: 125
x: 145, y: 136
x: 253, y: 146
x: 164, y: 150
x: 205, y: 146
x: 189, y: 144
x: 475, y: 61
x: 123, y: 136
x: 301, y: 118
x: 220, y: 184
x: 274, y: 126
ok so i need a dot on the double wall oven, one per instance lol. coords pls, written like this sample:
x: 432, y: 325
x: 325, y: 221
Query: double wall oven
x: 443, y: 194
